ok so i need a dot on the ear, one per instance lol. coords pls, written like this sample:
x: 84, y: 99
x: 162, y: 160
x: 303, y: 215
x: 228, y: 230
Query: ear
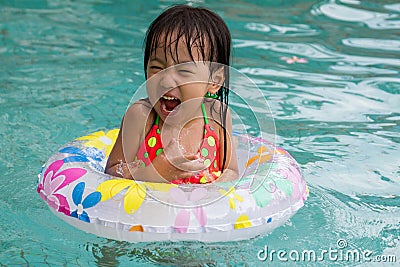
x: 218, y: 79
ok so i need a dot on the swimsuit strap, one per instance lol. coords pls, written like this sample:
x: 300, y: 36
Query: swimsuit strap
x: 157, y: 119
x: 203, y: 108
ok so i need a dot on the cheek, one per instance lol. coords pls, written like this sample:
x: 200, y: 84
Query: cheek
x: 153, y: 97
x: 194, y: 91
x: 152, y: 89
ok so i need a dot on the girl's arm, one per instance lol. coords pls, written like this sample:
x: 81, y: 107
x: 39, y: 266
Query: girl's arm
x: 127, y: 144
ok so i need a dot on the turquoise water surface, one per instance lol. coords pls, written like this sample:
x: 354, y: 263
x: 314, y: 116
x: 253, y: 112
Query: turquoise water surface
x: 68, y: 68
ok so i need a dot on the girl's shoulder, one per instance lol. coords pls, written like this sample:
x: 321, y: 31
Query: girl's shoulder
x: 140, y: 115
x: 139, y: 112
x: 141, y: 104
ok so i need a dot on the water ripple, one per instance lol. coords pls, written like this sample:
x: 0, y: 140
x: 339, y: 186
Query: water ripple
x: 374, y: 20
x: 315, y: 52
x: 283, y: 30
x: 373, y: 43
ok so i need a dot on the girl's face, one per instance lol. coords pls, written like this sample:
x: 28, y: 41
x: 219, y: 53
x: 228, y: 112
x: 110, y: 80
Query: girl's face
x: 176, y: 89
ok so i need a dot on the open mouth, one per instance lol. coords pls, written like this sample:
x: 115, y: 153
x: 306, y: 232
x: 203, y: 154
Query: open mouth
x: 168, y: 104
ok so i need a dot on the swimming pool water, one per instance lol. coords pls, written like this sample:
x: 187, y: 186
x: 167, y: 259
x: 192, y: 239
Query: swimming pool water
x: 68, y: 68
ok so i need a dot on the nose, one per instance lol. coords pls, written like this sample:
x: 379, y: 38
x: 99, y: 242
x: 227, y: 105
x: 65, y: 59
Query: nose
x: 168, y: 80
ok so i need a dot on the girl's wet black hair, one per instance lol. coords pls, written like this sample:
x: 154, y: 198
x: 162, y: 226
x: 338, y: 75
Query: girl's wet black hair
x: 200, y: 28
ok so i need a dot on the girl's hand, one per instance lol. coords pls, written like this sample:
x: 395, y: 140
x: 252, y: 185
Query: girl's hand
x: 172, y: 164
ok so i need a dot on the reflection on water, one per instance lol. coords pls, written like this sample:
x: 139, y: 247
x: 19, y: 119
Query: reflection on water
x: 70, y: 68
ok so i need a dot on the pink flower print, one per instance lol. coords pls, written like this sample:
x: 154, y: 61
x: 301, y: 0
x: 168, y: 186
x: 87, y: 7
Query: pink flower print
x: 294, y: 59
x: 183, y: 218
x: 53, y: 181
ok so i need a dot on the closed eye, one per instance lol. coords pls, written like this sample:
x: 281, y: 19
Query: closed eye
x: 185, y: 71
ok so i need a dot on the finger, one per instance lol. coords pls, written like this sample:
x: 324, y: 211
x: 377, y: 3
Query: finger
x: 192, y: 166
x: 193, y: 156
x: 173, y: 144
x: 185, y: 159
x: 171, y: 150
x: 174, y: 153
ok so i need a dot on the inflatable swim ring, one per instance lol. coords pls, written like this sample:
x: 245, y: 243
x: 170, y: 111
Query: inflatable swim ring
x: 74, y: 186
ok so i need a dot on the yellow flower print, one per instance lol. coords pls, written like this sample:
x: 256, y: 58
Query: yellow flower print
x: 232, y: 196
x: 242, y: 222
x: 135, y: 194
x: 101, y: 140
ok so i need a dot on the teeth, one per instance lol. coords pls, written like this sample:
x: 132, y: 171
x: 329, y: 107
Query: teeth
x: 169, y: 98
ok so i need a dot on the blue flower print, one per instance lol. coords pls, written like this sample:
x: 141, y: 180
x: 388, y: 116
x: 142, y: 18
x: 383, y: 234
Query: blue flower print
x: 90, y: 154
x: 90, y: 200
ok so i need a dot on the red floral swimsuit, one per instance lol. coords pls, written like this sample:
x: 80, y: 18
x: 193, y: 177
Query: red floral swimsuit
x: 209, y: 151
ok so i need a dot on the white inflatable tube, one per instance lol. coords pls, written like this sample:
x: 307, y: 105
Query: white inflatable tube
x: 74, y: 186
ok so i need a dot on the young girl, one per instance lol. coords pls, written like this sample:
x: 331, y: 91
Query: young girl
x: 186, y: 58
